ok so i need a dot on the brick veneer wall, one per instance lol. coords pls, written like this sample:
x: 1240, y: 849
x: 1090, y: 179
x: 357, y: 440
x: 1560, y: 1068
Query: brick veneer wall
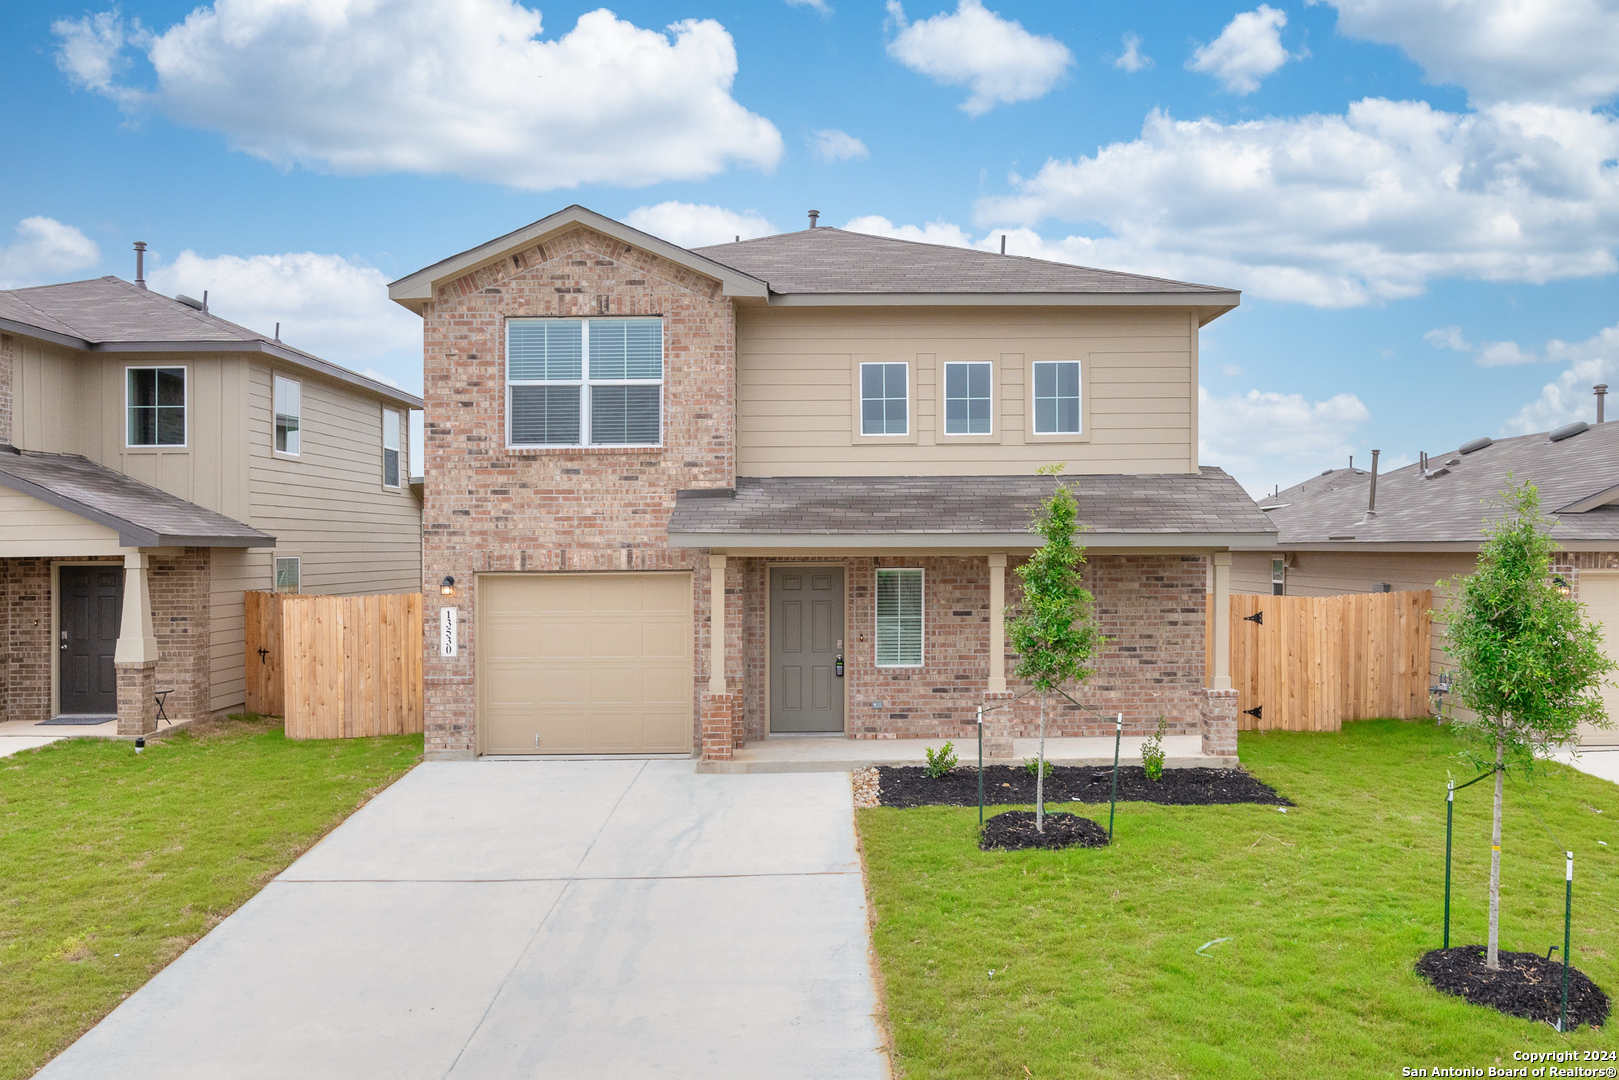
x: 179, y: 586
x: 25, y: 647
x: 8, y: 354
x: 490, y: 508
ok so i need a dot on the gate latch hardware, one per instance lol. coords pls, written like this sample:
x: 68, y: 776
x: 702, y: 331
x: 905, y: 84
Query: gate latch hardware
x: 1257, y: 712
x: 1257, y: 617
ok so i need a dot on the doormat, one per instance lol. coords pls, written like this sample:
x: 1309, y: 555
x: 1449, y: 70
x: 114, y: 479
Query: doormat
x: 77, y: 721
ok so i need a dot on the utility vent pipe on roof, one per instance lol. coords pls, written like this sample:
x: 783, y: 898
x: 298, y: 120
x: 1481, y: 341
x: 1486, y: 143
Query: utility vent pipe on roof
x: 1601, y: 391
x: 1371, y: 501
x: 140, y: 263
x: 815, y: 216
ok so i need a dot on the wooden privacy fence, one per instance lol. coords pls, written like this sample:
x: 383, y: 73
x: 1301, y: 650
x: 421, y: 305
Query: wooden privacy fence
x: 1308, y: 663
x: 336, y: 667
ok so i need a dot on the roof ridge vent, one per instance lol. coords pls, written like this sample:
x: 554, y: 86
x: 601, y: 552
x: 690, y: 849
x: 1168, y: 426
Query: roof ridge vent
x: 1568, y: 431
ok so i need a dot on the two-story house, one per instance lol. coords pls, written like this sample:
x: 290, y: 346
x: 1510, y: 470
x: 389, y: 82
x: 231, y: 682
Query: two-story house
x: 155, y: 462
x: 680, y: 499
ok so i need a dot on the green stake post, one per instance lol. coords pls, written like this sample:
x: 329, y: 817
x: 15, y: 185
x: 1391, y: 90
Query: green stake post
x: 980, y: 768
x: 1450, y: 814
x: 1568, y: 918
x: 1118, y: 734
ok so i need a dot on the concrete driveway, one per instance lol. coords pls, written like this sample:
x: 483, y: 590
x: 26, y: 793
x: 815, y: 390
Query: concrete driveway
x: 534, y: 919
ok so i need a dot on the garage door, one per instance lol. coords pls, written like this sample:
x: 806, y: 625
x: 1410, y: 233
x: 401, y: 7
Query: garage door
x: 1599, y: 592
x: 584, y: 663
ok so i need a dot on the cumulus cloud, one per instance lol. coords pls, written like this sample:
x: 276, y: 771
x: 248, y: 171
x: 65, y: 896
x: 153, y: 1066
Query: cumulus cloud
x: 1549, y: 51
x: 995, y: 58
x: 45, y: 250
x: 464, y: 87
x: 815, y: 5
x: 1341, y: 210
x: 833, y: 145
x: 334, y: 307
x: 1132, y: 59
x: 937, y: 232
x: 1448, y: 337
x: 1230, y: 371
x: 690, y: 225
x: 1265, y: 438
x: 1248, y: 49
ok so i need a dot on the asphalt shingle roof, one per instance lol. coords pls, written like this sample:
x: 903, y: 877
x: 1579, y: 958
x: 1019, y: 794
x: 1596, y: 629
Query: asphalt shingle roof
x: 827, y: 260
x: 1452, y: 508
x: 1164, y: 504
x: 144, y: 516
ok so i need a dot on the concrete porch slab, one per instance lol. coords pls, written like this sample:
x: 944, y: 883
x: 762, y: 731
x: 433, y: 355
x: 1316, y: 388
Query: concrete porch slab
x: 838, y: 754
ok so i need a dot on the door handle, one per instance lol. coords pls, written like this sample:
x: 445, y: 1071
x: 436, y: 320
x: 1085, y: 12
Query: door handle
x: 64, y: 639
x: 837, y: 667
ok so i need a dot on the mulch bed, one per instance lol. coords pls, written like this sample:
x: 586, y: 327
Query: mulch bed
x: 1014, y: 830
x: 1012, y: 785
x: 1528, y: 985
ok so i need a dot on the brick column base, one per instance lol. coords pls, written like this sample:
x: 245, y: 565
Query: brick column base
x: 1219, y: 723
x: 137, y: 698
x: 719, y: 726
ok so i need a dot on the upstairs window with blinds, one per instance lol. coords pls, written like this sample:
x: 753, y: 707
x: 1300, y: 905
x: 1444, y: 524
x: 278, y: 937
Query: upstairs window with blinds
x: 288, y: 414
x: 390, y: 448
x: 899, y: 618
x: 584, y: 382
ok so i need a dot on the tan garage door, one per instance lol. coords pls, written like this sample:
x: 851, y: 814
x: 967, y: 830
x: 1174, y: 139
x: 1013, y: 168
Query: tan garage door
x: 584, y: 663
x: 1599, y: 592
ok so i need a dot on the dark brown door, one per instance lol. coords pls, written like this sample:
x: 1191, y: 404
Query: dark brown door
x: 92, y: 605
x: 806, y: 649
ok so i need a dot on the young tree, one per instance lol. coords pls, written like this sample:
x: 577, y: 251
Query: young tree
x: 1530, y: 667
x: 1054, y: 630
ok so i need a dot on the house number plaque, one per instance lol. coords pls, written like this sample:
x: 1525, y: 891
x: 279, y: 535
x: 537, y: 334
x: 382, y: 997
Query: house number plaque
x: 446, y: 631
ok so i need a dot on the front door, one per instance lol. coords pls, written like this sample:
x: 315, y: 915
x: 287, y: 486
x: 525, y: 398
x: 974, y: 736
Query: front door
x: 87, y: 637
x: 806, y: 649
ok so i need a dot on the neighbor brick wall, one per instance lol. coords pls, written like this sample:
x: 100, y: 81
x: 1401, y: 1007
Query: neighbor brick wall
x: 181, y: 620
x: 8, y: 360
x: 488, y: 508
x: 25, y: 640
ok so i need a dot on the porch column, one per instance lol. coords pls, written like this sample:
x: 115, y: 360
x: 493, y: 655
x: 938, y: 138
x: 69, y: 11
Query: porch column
x: 135, y: 657
x: 1221, y: 599
x: 716, y: 620
x: 997, y: 623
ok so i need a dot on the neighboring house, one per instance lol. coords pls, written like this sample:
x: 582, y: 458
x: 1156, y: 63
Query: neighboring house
x: 157, y: 461
x: 678, y: 500
x: 1429, y: 524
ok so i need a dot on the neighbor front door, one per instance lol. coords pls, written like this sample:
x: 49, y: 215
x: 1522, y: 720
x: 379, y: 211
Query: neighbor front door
x: 806, y: 649
x: 92, y: 600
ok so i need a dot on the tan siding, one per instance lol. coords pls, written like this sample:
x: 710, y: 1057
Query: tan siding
x: 234, y: 572
x: 29, y: 527
x: 796, y: 399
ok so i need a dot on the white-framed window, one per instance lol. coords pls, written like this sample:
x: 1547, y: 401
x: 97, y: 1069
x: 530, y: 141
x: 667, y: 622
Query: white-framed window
x: 968, y: 398
x: 584, y: 382
x: 885, y: 399
x: 390, y: 448
x: 899, y: 618
x: 289, y: 407
x: 1056, y: 397
x: 288, y: 573
x: 155, y: 405
x: 1278, y: 577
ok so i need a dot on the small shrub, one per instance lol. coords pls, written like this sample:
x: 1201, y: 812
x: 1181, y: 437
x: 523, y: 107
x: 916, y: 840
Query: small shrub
x: 940, y: 761
x: 1152, y: 753
x: 1033, y: 765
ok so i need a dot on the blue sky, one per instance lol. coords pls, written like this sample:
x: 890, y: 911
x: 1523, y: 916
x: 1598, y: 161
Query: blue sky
x: 1419, y: 198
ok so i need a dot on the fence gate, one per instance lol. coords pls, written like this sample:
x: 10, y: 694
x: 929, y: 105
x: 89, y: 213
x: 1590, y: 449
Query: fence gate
x: 1308, y: 663
x: 262, y: 613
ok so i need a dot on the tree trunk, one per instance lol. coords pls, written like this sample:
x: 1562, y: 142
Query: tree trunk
x: 1492, y: 959
x: 1040, y: 774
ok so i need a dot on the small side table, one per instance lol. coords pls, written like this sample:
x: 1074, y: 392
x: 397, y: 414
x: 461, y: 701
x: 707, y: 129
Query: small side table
x: 162, y: 697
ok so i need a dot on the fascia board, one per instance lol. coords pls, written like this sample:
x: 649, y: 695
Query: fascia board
x: 1218, y: 303
x: 1606, y: 497
x: 1164, y: 541
x: 22, y: 329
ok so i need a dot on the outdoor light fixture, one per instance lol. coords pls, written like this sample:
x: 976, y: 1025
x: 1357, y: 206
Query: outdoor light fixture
x: 140, y: 743
x: 447, y: 586
x: 1562, y: 587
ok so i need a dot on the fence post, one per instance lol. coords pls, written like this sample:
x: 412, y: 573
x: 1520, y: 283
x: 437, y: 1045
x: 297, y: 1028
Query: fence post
x: 1568, y: 918
x: 1118, y: 734
x: 980, y: 768
x: 1450, y: 813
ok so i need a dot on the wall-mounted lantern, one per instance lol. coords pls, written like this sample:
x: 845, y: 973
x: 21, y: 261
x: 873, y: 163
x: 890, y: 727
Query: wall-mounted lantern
x: 1562, y: 587
x: 447, y: 586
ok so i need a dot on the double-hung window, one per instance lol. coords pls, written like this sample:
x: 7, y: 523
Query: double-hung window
x: 288, y: 574
x: 1056, y: 397
x: 584, y: 382
x: 390, y: 448
x: 967, y: 398
x: 884, y: 399
x: 155, y: 400
x: 899, y: 618
x: 288, y: 414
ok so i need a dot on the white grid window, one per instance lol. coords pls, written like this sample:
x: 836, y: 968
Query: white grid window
x: 884, y: 400
x: 390, y: 448
x: 899, y: 618
x: 1056, y: 397
x: 584, y: 382
x: 156, y: 404
x: 968, y: 398
x: 288, y: 414
x: 288, y: 574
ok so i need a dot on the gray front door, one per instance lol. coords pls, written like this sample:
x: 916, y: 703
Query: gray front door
x: 87, y: 637
x: 806, y: 648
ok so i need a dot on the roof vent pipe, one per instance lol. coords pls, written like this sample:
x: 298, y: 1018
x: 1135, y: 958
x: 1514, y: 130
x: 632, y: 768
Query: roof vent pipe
x: 1601, y: 391
x: 140, y: 263
x: 815, y: 216
x: 1371, y: 501
x: 1003, y: 243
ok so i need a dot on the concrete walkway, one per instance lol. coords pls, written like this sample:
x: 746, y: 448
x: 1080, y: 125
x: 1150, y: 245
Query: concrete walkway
x: 838, y: 754
x: 534, y: 919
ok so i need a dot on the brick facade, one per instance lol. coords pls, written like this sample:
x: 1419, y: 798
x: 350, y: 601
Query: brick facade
x: 25, y: 623
x: 179, y: 586
x: 490, y: 508
x: 137, y: 698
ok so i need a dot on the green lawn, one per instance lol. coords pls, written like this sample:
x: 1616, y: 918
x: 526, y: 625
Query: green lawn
x: 1328, y: 907
x: 112, y: 864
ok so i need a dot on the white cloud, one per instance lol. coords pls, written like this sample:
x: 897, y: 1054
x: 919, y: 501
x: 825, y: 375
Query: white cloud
x: 998, y: 60
x: 1266, y: 438
x: 937, y: 232
x: 1337, y: 211
x: 1550, y: 51
x: 832, y: 145
x: 1448, y: 337
x: 692, y: 225
x: 45, y: 250
x: 1248, y: 49
x: 466, y: 87
x: 1132, y: 59
x: 1230, y: 371
x: 1502, y: 354
x: 1567, y: 399
x: 334, y: 307
x: 815, y: 5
